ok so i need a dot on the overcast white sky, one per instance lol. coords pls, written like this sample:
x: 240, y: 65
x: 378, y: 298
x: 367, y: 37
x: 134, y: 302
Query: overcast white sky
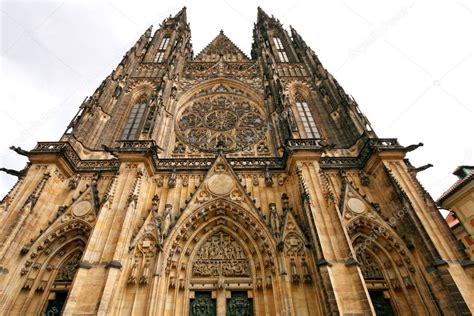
x: 408, y: 64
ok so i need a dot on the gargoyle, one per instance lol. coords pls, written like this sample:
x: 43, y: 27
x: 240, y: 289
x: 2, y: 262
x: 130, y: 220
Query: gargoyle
x: 20, y: 151
x: 413, y: 147
x: 422, y: 168
x: 14, y: 172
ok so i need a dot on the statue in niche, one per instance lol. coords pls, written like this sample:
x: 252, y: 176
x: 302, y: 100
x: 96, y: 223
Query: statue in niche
x: 74, y: 181
x: 274, y: 220
x: 172, y: 179
x: 159, y: 234
x: 132, y: 279
x: 166, y: 223
x: 268, y: 177
x: 364, y: 179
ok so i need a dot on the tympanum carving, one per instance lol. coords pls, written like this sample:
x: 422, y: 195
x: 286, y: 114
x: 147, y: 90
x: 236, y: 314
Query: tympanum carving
x: 221, y: 255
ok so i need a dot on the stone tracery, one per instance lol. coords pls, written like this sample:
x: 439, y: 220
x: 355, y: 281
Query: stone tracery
x: 227, y: 121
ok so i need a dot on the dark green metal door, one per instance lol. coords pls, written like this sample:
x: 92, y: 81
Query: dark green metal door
x: 203, y: 305
x: 239, y: 305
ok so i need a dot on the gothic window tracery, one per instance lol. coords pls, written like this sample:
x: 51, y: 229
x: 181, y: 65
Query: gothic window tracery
x: 160, y: 54
x: 223, y: 122
x: 131, y: 129
x: 306, y: 117
x: 282, y: 56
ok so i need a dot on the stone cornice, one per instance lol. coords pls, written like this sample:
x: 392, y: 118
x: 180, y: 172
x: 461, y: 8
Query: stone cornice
x: 149, y: 149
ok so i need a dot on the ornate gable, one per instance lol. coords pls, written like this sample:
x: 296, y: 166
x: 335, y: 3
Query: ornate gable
x: 221, y: 46
x: 353, y: 204
x: 293, y: 238
x: 221, y: 182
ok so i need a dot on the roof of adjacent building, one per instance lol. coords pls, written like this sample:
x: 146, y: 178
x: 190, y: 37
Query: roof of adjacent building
x: 466, y: 176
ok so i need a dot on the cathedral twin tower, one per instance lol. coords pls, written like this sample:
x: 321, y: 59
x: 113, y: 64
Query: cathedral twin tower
x: 222, y: 184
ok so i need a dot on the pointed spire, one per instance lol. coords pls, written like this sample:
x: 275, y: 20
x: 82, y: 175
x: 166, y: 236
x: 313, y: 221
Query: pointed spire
x: 181, y: 15
x: 261, y: 14
x: 297, y: 37
x: 148, y: 31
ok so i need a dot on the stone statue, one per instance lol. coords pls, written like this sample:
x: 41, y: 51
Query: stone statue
x: 274, y: 220
x: 268, y: 177
x: 74, y: 181
x: 172, y: 179
x: 166, y: 223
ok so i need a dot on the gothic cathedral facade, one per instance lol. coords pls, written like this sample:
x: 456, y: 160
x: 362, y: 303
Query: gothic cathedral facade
x: 224, y: 184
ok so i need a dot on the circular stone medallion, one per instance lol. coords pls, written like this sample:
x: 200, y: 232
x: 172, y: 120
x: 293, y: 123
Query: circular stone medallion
x: 356, y: 205
x: 220, y: 184
x: 81, y: 208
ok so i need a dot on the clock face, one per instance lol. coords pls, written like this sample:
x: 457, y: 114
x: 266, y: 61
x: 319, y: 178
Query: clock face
x: 222, y: 121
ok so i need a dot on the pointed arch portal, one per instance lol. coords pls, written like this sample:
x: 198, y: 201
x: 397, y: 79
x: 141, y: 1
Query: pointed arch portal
x: 221, y: 255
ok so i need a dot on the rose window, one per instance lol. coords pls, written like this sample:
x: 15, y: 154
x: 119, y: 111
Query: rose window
x: 221, y: 120
x: 226, y: 122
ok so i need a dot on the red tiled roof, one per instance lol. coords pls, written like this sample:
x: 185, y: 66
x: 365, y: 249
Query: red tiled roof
x: 455, y: 187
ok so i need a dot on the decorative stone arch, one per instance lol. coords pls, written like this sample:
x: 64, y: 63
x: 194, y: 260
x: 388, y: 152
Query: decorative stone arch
x: 243, y: 227
x: 187, y: 95
x: 139, y: 87
x: 403, y: 279
x: 294, y: 87
x: 189, y: 226
x: 46, y: 256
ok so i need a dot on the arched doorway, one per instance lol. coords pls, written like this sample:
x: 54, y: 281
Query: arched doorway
x: 390, y: 272
x: 61, y: 285
x: 221, y: 261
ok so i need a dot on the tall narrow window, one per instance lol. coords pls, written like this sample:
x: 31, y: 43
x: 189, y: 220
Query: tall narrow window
x: 306, y: 118
x: 278, y: 43
x: 134, y: 119
x: 160, y: 54
x: 280, y: 50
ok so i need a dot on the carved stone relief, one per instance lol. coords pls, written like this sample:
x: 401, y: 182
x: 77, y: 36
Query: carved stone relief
x: 221, y: 255
x: 294, y: 245
x: 67, y: 271
x: 370, y: 269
